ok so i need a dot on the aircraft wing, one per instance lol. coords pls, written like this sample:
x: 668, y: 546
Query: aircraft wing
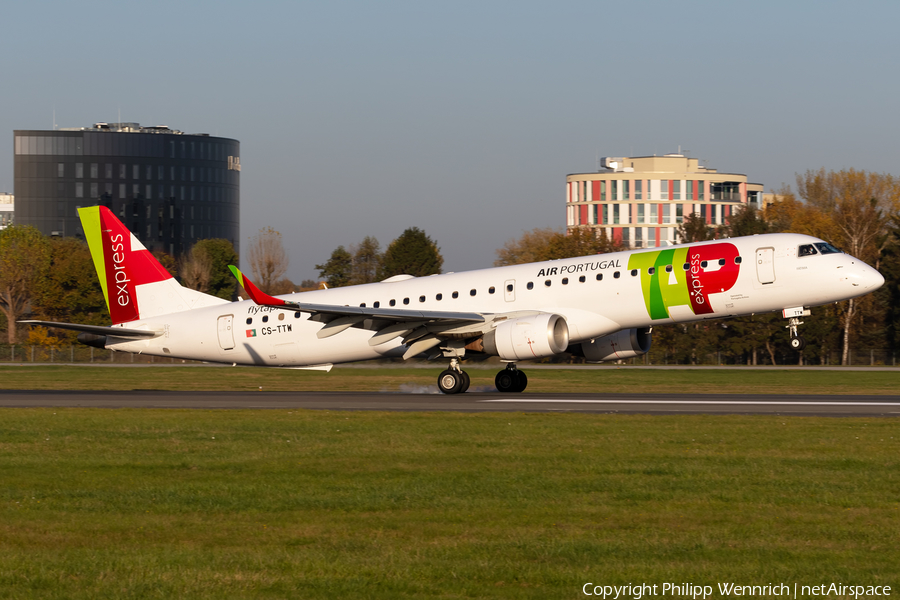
x: 421, y: 329
x: 99, y: 329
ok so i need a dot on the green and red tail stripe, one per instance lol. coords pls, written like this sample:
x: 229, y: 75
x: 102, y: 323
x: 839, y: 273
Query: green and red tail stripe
x: 254, y: 292
x: 122, y: 262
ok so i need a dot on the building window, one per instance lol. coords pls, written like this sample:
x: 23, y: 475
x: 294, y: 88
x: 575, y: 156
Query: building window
x: 95, y: 190
x: 667, y: 213
x: 638, y: 237
x: 640, y: 213
x: 663, y: 189
x: 654, y: 213
x: 79, y: 190
x: 626, y: 236
x: 638, y: 190
x: 615, y: 214
x: 60, y: 169
x: 149, y: 173
x: 602, y: 191
x: 689, y: 190
x: 700, y: 187
x: 122, y: 193
x: 676, y: 189
x: 94, y: 171
x: 107, y: 171
x: 122, y: 169
x: 79, y: 170
x: 606, y: 214
x: 135, y: 171
x: 679, y: 213
x: 625, y: 189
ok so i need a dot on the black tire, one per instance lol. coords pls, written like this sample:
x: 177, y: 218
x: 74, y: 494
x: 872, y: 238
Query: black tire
x: 521, y: 381
x: 798, y: 343
x: 450, y: 381
x: 465, y: 382
x: 506, y: 381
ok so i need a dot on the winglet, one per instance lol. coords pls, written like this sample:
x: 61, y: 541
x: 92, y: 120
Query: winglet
x: 254, y: 292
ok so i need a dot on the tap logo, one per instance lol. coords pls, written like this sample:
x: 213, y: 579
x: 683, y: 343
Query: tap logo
x: 685, y: 276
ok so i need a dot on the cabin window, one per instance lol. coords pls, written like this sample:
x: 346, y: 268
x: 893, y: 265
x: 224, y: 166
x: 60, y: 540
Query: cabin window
x: 547, y: 283
x: 704, y: 264
x: 249, y: 320
x: 491, y: 290
x: 530, y: 286
x: 455, y: 294
x: 737, y: 260
x: 565, y: 281
x: 721, y: 262
x: 421, y: 298
x: 471, y: 292
x: 406, y: 301
x: 363, y: 305
x: 376, y: 304
x: 806, y: 250
x: 581, y: 279
x: 393, y: 302
x: 616, y: 275
x: 266, y: 319
x: 439, y: 297
x: 297, y: 314
x: 686, y: 266
x: 651, y: 271
x: 599, y: 276
x: 668, y: 268
x: 281, y: 316
x: 634, y: 272
x: 509, y: 287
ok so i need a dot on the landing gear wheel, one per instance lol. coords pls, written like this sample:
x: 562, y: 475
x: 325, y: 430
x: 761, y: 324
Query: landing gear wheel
x: 798, y: 343
x: 465, y: 382
x: 521, y: 381
x: 451, y: 382
x: 510, y: 380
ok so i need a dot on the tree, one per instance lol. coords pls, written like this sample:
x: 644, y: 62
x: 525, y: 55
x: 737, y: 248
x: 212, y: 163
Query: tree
x: 854, y: 209
x: 744, y: 220
x: 69, y: 291
x: 366, y: 261
x: 694, y: 229
x: 268, y: 260
x: 336, y: 271
x: 205, y: 268
x: 413, y: 253
x: 549, y: 244
x: 24, y: 259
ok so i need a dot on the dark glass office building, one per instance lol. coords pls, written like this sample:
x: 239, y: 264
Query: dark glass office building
x: 170, y: 188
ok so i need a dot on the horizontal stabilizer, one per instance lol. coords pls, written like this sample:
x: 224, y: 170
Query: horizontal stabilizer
x: 121, y: 332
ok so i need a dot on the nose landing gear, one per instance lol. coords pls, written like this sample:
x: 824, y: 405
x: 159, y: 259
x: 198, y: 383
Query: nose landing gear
x: 794, y: 322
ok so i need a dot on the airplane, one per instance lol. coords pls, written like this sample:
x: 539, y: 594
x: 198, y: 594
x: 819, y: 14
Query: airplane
x: 601, y: 307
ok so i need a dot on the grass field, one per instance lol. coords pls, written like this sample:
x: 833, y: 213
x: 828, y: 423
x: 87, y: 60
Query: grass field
x: 101, y: 503
x: 317, y: 504
x: 609, y: 380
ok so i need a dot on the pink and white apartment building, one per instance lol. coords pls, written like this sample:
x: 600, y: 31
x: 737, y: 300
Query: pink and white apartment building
x: 641, y: 201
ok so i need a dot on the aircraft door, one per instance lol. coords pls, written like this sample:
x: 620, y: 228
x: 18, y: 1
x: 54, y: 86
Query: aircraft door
x: 765, y: 265
x: 226, y: 332
x: 509, y: 290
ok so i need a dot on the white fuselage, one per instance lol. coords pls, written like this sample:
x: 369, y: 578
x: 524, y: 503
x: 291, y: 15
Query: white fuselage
x: 768, y: 276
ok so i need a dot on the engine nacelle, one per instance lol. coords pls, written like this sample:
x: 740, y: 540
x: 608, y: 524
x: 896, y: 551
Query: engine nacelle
x: 538, y: 336
x: 626, y: 343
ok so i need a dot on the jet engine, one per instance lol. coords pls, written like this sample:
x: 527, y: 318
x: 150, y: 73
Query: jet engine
x: 615, y: 346
x: 537, y: 336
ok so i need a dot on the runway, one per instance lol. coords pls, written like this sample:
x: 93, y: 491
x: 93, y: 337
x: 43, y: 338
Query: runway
x: 718, y: 404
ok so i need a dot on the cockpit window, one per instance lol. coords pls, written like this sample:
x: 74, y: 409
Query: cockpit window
x: 826, y: 248
x: 806, y: 250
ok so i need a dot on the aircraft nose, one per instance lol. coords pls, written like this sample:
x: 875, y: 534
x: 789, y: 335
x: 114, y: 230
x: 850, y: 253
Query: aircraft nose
x: 864, y: 277
x: 873, y: 280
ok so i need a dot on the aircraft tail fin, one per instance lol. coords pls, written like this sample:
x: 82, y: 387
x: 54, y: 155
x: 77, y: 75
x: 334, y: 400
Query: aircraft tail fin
x: 134, y: 284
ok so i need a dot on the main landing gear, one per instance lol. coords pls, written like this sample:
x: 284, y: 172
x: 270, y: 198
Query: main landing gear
x: 454, y: 380
x: 511, y: 379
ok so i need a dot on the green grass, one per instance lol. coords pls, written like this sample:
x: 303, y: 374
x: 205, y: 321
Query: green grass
x: 320, y: 504
x: 609, y: 380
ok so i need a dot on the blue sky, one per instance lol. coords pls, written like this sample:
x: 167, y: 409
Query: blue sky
x: 462, y: 118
